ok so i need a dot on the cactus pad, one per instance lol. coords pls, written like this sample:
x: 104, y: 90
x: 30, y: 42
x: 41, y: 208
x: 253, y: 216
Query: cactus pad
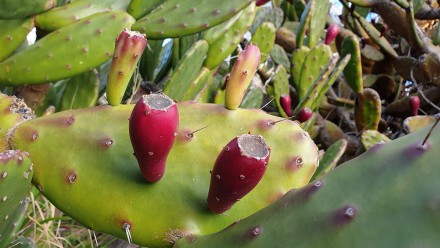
x: 68, y: 51
x: 83, y: 163
x: 176, y: 18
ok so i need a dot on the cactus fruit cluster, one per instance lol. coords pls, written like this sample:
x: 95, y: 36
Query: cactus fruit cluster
x: 233, y: 110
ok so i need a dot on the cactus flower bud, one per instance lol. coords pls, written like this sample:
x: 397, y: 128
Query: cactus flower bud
x: 128, y: 50
x: 241, y: 76
x: 332, y: 31
x: 153, y: 128
x: 238, y: 169
x: 414, y: 102
x: 304, y: 115
x: 286, y: 102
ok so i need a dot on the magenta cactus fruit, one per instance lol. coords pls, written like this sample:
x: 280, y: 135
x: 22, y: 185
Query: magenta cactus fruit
x: 129, y: 47
x: 238, y: 169
x: 332, y: 32
x: 304, y: 115
x: 414, y: 102
x: 153, y: 128
x: 286, y: 104
x: 262, y: 2
x: 241, y: 76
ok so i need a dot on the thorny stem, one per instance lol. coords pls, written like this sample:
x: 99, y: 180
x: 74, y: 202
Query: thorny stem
x: 420, y: 91
x: 430, y: 131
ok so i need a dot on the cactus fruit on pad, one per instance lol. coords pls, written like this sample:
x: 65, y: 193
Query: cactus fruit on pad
x: 84, y: 164
x: 386, y: 197
x: 66, y: 52
x: 153, y: 129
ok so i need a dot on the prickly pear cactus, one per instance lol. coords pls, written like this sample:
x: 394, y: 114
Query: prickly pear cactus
x: 15, y: 181
x: 96, y: 154
x: 18, y: 9
x: 387, y: 197
x: 64, y: 15
x: 10, y: 227
x: 66, y: 52
x: 12, y: 34
x: 176, y: 18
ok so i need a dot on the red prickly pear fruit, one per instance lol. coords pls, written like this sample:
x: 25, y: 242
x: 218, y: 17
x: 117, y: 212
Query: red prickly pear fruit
x: 304, y: 115
x: 241, y: 76
x: 129, y: 47
x: 414, y: 102
x: 153, y: 128
x: 262, y: 2
x: 238, y: 169
x: 332, y: 32
x: 286, y: 102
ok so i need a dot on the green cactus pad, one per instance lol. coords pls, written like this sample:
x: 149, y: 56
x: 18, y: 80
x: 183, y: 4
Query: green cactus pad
x: 415, y: 123
x: 264, y: 38
x: 69, y: 51
x: 81, y: 91
x: 280, y: 87
x: 304, y: 23
x: 321, y: 85
x: 387, y: 197
x: 336, y: 72
x: 22, y: 242
x: 314, y: 93
x: 314, y: 63
x: 279, y: 56
x: 226, y: 44
x: 376, y: 36
x: 267, y: 14
x: 156, y: 61
x: 62, y: 16
x: 213, y: 34
x: 367, y: 110
x: 253, y: 98
x: 186, y: 71
x: 203, y: 79
x: 330, y: 159
x: 186, y: 42
x: 353, y: 70
x: 9, y: 228
x: 317, y: 22
x: 176, y: 18
x: 139, y: 8
x: 91, y: 174
x: 19, y: 9
x: 12, y: 34
x: 15, y: 181
x: 369, y: 138
x: 297, y: 61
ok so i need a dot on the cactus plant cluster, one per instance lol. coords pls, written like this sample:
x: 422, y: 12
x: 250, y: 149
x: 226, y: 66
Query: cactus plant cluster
x: 221, y: 123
